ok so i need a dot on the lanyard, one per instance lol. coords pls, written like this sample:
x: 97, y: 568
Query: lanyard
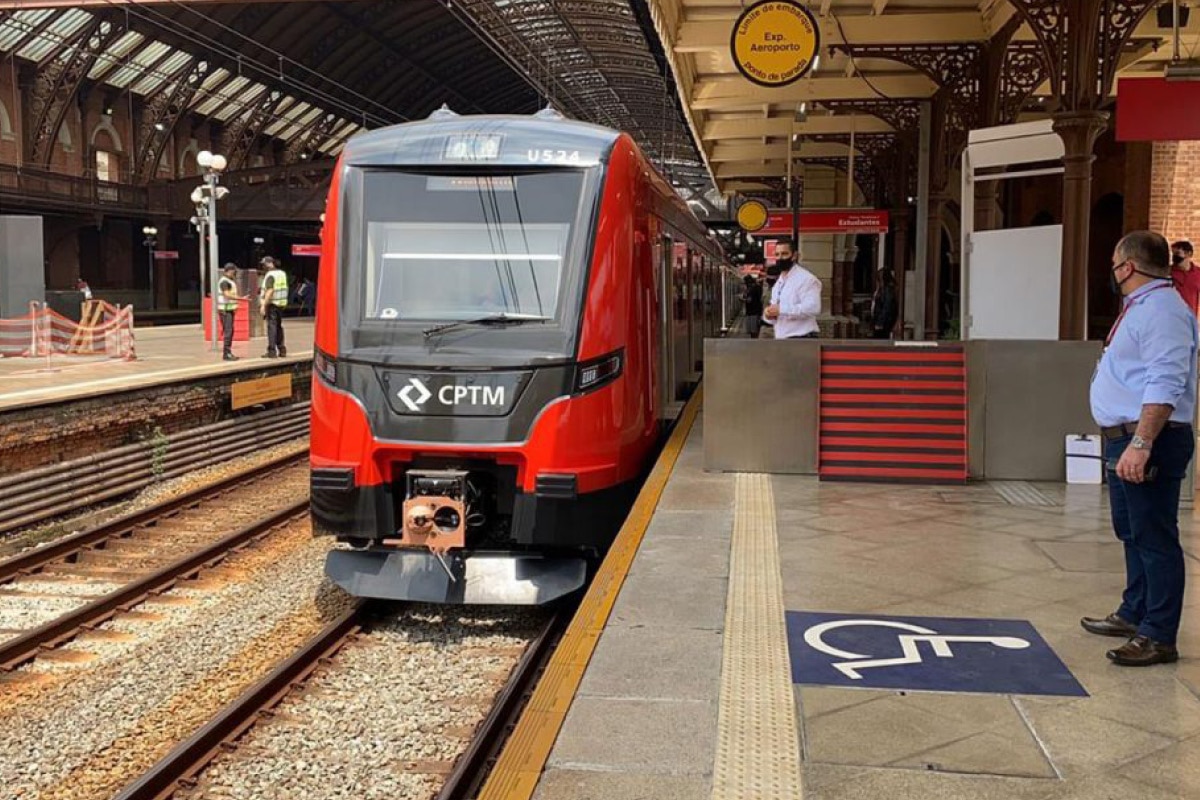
x: 1112, y: 333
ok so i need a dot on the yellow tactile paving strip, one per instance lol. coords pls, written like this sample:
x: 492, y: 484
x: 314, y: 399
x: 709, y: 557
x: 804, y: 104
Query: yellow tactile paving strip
x: 757, y: 741
x: 517, y: 771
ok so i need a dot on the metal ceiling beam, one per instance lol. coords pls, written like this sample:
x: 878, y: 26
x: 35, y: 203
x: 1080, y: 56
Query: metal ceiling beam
x: 734, y: 92
x: 769, y: 152
x: 713, y: 34
x: 17, y: 5
x: 758, y: 127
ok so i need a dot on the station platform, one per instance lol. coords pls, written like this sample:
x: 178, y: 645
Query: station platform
x: 164, y: 355
x: 781, y: 637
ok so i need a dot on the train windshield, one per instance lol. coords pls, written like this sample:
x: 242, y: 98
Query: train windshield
x: 444, y: 248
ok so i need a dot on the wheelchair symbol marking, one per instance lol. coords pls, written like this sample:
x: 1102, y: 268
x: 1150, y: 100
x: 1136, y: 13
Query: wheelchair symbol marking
x: 854, y: 663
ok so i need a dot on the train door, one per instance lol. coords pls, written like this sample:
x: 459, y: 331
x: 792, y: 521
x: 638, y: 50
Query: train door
x: 680, y: 331
x: 666, y: 343
x: 696, y: 323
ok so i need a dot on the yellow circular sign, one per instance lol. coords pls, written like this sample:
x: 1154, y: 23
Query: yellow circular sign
x: 774, y: 42
x: 752, y: 216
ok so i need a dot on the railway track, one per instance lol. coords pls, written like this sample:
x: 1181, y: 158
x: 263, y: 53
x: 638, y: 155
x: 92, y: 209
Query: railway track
x: 51, y: 594
x: 178, y: 771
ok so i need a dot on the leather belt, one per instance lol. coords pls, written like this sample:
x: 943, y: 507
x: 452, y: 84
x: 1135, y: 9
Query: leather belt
x: 1130, y: 428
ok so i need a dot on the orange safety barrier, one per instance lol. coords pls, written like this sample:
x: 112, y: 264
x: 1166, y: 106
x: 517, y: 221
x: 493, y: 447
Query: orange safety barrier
x: 104, y: 330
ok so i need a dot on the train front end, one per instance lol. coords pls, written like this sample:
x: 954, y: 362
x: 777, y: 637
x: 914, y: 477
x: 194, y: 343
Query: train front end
x: 465, y: 447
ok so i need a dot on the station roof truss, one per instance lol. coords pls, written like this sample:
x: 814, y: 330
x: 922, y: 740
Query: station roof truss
x: 307, y: 74
x: 600, y: 61
x: 986, y: 62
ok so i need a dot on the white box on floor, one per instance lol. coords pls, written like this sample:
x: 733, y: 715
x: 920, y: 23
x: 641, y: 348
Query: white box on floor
x: 1085, y: 464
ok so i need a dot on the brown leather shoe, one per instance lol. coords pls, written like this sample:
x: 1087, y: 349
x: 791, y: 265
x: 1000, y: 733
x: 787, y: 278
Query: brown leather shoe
x: 1142, y: 651
x: 1112, y: 625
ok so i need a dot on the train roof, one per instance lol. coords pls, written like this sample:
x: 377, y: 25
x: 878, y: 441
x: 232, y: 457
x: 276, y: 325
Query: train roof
x: 449, y: 140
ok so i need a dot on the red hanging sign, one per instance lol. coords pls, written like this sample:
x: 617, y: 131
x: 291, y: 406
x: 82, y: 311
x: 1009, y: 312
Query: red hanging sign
x: 847, y: 220
x: 306, y: 250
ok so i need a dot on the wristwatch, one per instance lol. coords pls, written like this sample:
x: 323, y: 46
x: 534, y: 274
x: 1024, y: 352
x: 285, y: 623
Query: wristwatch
x: 1138, y: 443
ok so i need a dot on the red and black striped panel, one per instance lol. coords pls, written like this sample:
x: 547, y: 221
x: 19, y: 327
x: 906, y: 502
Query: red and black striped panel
x: 893, y: 414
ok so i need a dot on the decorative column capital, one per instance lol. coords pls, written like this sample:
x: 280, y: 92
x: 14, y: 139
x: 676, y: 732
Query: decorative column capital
x: 1079, y: 131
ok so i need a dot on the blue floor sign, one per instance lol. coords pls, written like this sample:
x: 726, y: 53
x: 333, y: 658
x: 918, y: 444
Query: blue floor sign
x: 939, y: 654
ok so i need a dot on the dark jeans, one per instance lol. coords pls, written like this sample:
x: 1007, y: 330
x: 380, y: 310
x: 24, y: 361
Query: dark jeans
x: 1145, y: 517
x: 881, y: 333
x: 227, y: 329
x: 275, y: 330
x: 753, y: 324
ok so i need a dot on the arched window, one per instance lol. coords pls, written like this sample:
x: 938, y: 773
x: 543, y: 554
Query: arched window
x: 6, y: 129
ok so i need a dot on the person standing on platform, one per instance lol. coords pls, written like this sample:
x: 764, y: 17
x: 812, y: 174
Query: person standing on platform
x: 227, y: 302
x: 752, y: 297
x: 272, y: 302
x: 884, y: 306
x: 1143, y: 397
x: 795, y: 297
x: 1184, y: 274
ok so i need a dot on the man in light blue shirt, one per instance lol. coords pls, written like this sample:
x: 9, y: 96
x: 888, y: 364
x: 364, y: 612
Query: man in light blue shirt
x: 1143, y: 397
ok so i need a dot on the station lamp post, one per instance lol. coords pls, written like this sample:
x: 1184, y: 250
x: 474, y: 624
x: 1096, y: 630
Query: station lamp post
x: 205, y: 197
x: 151, y: 239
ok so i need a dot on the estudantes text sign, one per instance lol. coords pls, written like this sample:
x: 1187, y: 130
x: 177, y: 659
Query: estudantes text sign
x: 774, y: 42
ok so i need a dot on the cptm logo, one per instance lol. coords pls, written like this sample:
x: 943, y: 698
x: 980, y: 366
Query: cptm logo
x: 450, y: 395
x: 406, y: 395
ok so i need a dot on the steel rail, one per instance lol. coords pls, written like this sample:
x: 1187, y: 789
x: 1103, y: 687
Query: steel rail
x: 15, y: 652
x: 180, y: 768
x: 189, y: 757
x: 472, y: 767
x: 124, y: 525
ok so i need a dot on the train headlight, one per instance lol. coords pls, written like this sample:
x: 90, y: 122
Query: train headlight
x: 599, y: 372
x: 325, y: 367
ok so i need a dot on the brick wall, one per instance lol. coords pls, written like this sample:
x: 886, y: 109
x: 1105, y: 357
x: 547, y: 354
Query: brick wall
x: 1175, y: 190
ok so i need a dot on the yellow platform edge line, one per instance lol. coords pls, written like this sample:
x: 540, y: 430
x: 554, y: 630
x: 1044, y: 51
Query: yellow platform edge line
x: 521, y: 762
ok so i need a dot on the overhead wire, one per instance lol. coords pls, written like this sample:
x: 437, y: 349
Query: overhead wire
x: 850, y: 54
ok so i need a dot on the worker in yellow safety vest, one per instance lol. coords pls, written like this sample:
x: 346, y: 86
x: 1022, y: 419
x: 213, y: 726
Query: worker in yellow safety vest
x: 272, y: 301
x: 227, y: 303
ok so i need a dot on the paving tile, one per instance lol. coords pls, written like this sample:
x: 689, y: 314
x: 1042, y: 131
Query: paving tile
x: 1053, y: 586
x: 696, y: 493
x: 1174, y: 770
x: 819, y: 778
x: 655, y: 663
x: 1076, y: 556
x: 882, y: 732
x: 1080, y: 743
x: 703, y: 555
x: 813, y: 701
x: 691, y: 525
x: 1167, y: 708
x: 675, y: 600
x: 982, y: 601
x: 670, y: 736
x: 987, y: 753
x: 566, y: 784
x: 1108, y: 787
x: 909, y: 784
x: 826, y: 592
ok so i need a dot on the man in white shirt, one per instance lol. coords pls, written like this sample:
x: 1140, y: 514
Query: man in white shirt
x: 795, y: 298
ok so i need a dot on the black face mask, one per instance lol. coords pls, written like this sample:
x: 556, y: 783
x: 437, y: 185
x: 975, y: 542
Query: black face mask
x: 784, y: 264
x: 1115, y: 284
x: 1177, y: 259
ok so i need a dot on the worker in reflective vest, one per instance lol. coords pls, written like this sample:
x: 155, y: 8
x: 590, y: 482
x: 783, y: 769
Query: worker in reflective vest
x: 227, y: 301
x: 272, y: 301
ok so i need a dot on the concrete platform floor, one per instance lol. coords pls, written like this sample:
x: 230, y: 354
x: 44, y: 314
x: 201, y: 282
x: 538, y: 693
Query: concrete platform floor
x: 164, y: 354
x: 648, y: 721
